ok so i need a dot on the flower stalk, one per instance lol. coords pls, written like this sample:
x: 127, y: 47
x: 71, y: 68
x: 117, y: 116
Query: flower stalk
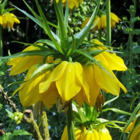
x: 108, y: 15
x: 70, y: 125
x: 132, y: 15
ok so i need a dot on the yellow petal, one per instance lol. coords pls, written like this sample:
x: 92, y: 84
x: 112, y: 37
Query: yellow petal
x: 103, y: 21
x: 67, y: 85
x: 101, y: 58
x: 95, y: 134
x: 29, y: 91
x: 80, y: 77
x: 85, y: 22
x: 88, y: 135
x: 106, y: 81
x: 93, y: 86
x: 104, y: 134
x: 1, y: 22
x: 97, y: 24
x: 55, y: 75
x: 115, y: 18
x: 80, y: 98
x: 115, y: 62
x: 65, y: 134
x: 50, y: 98
x: 21, y: 64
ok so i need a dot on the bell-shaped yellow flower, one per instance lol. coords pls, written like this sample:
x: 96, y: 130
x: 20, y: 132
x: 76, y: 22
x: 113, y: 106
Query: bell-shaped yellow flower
x: 103, y: 78
x: 104, y: 134
x: 82, y: 134
x: 100, y: 22
x: 8, y: 20
x: 98, y: 78
x: 71, y: 3
x: 21, y: 64
x: 69, y: 80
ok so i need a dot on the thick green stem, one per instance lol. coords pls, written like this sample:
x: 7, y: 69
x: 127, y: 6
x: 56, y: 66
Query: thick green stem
x: 131, y: 54
x: 135, y: 4
x: 45, y: 126
x: 1, y: 45
x: 70, y: 125
x: 108, y: 15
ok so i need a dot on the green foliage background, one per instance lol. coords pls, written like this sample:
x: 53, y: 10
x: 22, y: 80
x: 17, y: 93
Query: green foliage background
x: 29, y: 32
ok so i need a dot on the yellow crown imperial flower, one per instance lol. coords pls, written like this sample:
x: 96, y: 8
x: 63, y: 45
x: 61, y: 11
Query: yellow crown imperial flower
x: 71, y: 3
x: 100, y: 22
x: 103, y: 78
x: 68, y: 80
x: 82, y: 134
x: 7, y: 20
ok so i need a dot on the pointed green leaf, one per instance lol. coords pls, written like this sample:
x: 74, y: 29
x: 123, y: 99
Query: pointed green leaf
x: 61, y: 24
x: 83, y: 33
x: 47, y: 42
x: 30, y: 53
x: 107, y: 102
x: 116, y: 110
x: 37, y: 21
x: 47, y: 28
x: 41, y: 68
x: 20, y: 132
x: 10, y: 114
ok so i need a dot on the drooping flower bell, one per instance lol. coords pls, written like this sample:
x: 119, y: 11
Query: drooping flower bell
x: 70, y: 78
x: 7, y: 20
x: 103, y: 78
x: 100, y: 22
x: 71, y: 3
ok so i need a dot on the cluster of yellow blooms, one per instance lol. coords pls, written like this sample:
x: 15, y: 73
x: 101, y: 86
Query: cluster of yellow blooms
x: 100, y: 22
x: 81, y: 133
x: 71, y: 3
x: 68, y: 80
x: 7, y: 20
